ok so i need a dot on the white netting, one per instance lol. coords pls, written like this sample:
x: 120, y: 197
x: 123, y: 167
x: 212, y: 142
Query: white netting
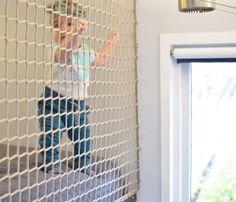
x: 30, y: 113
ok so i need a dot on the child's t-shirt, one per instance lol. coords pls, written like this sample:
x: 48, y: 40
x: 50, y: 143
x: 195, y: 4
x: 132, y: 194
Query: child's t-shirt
x: 73, y: 80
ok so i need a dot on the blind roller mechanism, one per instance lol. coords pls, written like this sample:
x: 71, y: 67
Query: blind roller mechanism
x: 204, y: 54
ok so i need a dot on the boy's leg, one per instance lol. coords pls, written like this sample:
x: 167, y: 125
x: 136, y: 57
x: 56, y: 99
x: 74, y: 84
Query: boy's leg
x: 81, y: 137
x: 84, y: 142
x: 50, y: 138
x: 49, y: 124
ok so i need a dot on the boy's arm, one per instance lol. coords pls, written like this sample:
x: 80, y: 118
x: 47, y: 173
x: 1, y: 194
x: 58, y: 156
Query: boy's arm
x: 101, y: 57
x: 60, y: 55
x: 64, y: 51
x: 71, y: 42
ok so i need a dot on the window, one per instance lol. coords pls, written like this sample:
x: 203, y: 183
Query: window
x: 213, y: 154
x: 176, y: 102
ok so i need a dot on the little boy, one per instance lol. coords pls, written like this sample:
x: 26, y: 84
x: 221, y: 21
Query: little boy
x: 63, y: 102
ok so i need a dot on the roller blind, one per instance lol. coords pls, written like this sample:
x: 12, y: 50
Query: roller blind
x: 204, y: 54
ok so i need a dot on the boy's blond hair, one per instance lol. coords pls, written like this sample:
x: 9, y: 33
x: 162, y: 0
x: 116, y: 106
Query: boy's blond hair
x: 68, y: 7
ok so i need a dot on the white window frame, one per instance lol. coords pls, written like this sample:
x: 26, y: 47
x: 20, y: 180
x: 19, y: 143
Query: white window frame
x: 175, y: 115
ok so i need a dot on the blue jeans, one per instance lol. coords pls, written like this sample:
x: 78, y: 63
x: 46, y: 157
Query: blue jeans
x: 69, y: 116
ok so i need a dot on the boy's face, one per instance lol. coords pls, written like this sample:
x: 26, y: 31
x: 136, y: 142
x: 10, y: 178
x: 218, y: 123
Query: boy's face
x: 65, y: 27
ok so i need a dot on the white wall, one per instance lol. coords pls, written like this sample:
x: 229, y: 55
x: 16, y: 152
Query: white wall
x: 155, y: 17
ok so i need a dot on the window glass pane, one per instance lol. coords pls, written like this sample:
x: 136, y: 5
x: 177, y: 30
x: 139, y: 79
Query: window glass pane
x: 213, y: 132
